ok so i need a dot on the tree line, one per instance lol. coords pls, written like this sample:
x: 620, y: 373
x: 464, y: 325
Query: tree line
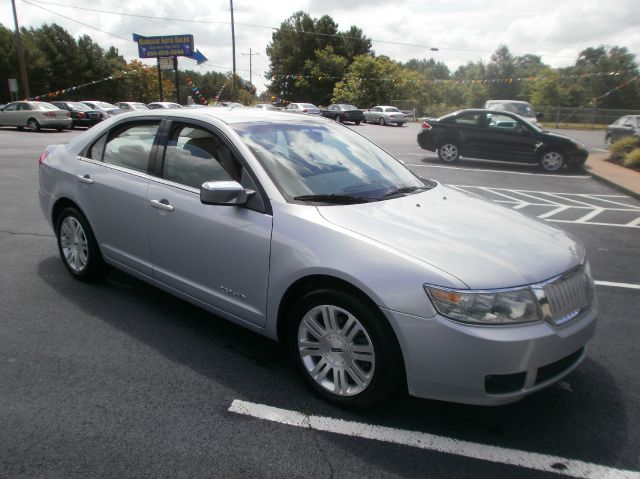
x: 311, y: 60
x: 57, y: 62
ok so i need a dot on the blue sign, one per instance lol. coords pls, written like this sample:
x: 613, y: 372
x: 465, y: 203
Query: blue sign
x: 165, y: 46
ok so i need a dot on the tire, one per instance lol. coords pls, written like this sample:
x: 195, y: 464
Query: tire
x: 400, y: 124
x: 552, y: 161
x: 608, y: 140
x: 33, y: 124
x: 449, y: 152
x: 358, y: 122
x: 338, y: 119
x: 59, y: 128
x: 324, y: 329
x: 382, y: 122
x: 364, y: 121
x: 77, y: 245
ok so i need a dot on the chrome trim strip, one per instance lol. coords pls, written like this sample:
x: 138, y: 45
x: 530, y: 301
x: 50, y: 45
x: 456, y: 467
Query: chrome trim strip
x: 114, y: 167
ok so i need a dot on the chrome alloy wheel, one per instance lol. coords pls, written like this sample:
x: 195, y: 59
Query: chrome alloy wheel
x: 552, y: 161
x: 336, y: 350
x: 74, y: 245
x: 449, y: 152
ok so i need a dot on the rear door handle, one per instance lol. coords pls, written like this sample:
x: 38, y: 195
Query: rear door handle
x: 85, y: 179
x: 162, y: 205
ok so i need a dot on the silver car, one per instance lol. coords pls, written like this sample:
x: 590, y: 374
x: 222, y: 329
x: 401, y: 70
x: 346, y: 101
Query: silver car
x: 306, y: 232
x: 35, y: 115
x: 385, y: 115
x: 107, y: 109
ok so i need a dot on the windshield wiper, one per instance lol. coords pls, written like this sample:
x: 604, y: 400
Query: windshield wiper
x: 333, y: 198
x: 404, y: 190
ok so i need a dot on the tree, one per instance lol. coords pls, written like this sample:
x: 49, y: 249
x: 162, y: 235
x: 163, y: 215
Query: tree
x: 369, y: 81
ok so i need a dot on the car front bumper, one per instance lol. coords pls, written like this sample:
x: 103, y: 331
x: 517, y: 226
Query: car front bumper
x: 487, y: 365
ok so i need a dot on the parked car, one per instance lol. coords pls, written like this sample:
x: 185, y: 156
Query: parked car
x: 107, y: 109
x: 34, y: 115
x: 385, y: 115
x: 341, y: 112
x: 308, y: 233
x: 131, y: 106
x: 266, y: 106
x: 499, y: 135
x: 522, y: 108
x: 624, y: 126
x: 157, y: 105
x: 81, y: 114
x: 306, y: 108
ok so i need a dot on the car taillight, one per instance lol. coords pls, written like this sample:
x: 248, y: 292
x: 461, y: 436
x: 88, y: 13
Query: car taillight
x: 80, y: 114
x: 426, y: 125
x: 305, y: 110
x: 43, y: 156
x: 50, y: 113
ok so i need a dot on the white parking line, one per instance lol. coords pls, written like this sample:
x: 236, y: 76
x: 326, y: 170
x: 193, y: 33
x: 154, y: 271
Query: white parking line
x: 497, y: 171
x: 617, y: 285
x: 431, y: 442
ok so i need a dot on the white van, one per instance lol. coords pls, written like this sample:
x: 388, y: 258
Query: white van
x: 521, y: 108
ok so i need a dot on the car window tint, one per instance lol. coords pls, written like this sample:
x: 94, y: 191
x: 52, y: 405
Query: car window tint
x: 13, y: 107
x: 24, y: 106
x: 467, y: 119
x: 194, y: 156
x: 131, y: 147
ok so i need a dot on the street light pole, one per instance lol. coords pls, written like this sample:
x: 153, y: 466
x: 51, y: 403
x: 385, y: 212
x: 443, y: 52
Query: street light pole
x: 233, y: 48
x: 23, y: 67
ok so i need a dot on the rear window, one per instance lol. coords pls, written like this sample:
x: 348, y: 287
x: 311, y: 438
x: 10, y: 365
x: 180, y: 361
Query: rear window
x: 45, y: 106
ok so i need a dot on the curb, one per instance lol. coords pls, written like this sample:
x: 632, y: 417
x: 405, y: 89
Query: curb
x: 613, y: 184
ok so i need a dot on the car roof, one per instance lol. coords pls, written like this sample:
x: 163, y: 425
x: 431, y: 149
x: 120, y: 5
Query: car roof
x: 230, y: 115
x: 507, y: 101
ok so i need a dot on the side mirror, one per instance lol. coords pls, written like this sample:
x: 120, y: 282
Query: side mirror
x: 223, y: 193
x: 539, y: 116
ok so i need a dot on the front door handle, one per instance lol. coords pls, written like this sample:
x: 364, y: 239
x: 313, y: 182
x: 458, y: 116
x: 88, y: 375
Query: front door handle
x: 85, y: 179
x: 162, y: 205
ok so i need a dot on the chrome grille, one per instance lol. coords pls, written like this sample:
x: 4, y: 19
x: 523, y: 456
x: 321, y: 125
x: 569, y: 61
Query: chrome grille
x: 568, y: 296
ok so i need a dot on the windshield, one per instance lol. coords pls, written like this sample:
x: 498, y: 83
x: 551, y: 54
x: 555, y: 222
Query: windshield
x: 45, y: 106
x: 311, y: 159
x: 104, y: 104
x: 347, y: 107
x: 308, y: 106
x: 392, y: 109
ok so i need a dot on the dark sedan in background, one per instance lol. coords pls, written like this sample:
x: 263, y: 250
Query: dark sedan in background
x: 624, y: 126
x: 342, y: 113
x: 81, y: 114
x: 499, y: 135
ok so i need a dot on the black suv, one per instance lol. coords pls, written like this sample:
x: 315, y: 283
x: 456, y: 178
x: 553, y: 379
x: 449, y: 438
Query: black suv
x: 499, y: 135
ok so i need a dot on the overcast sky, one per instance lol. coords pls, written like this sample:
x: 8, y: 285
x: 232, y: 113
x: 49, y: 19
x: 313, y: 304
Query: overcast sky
x: 462, y: 30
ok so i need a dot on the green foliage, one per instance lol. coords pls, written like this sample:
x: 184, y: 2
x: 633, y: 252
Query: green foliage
x: 300, y: 50
x: 624, y: 145
x: 370, y: 81
x: 633, y: 158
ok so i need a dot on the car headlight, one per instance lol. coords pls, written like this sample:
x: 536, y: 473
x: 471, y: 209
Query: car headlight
x: 513, y: 306
x: 580, y: 145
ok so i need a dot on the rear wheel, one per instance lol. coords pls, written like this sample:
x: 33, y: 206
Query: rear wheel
x: 77, y: 245
x: 357, y: 122
x: 449, y: 152
x: 33, y: 124
x: 552, y: 160
x: 346, y: 350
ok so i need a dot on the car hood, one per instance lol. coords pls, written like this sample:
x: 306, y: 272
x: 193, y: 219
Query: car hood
x: 483, y: 244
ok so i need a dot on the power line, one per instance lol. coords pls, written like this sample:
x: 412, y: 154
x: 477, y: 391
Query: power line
x: 373, y: 40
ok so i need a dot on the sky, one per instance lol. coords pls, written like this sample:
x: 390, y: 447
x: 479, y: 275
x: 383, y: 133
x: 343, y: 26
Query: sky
x: 461, y: 30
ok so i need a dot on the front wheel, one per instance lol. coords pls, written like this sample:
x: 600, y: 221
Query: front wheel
x: 552, y: 161
x: 344, y: 348
x: 449, y: 152
x: 382, y: 122
x: 608, y: 140
x: 77, y: 245
x: 358, y: 122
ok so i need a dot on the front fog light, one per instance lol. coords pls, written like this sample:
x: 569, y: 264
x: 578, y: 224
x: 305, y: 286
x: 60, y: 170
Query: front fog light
x: 485, y: 307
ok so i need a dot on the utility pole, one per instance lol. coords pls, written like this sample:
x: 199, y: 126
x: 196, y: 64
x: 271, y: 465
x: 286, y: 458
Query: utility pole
x: 233, y: 48
x: 250, y: 71
x: 23, y: 67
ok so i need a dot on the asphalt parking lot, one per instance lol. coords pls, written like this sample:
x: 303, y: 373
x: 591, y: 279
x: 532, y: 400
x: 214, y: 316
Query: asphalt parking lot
x: 118, y: 379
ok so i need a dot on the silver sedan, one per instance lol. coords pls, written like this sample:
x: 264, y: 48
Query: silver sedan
x: 385, y: 115
x: 304, y: 231
x: 35, y: 115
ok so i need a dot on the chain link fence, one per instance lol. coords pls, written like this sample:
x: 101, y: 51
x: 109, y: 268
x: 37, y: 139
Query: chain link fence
x: 593, y: 117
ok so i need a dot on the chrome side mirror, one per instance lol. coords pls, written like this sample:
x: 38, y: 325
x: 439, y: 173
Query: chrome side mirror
x: 223, y: 193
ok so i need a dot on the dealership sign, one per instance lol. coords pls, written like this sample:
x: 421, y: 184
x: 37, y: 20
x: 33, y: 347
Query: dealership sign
x: 166, y: 46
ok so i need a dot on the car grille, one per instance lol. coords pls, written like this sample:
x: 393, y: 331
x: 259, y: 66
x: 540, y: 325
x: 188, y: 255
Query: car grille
x: 568, y: 296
